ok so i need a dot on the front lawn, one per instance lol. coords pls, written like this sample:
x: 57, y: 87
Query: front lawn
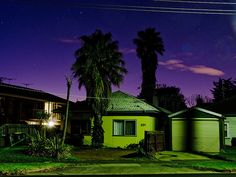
x: 14, y: 161
x: 213, y: 165
x: 22, y: 168
x: 229, y: 153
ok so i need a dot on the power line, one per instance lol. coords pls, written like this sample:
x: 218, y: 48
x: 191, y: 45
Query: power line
x: 161, y: 9
x: 154, y: 9
x: 168, y: 8
x: 197, y: 2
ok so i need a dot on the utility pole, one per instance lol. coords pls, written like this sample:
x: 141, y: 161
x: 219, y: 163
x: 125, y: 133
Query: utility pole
x: 69, y: 83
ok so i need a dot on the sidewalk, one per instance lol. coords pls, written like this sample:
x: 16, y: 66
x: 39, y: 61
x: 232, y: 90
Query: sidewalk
x: 113, y: 161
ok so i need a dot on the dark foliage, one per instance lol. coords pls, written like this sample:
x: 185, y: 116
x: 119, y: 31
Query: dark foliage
x: 223, y: 88
x: 170, y: 98
x: 149, y: 44
x: 99, y: 64
x: 48, y: 147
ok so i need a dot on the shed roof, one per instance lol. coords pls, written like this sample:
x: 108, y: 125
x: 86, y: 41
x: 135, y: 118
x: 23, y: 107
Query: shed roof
x: 28, y: 93
x: 195, y: 112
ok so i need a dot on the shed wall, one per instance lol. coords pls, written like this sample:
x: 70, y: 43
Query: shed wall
x: 199, y: 134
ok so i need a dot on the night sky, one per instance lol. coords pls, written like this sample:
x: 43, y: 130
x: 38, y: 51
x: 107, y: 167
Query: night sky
x: 38, y: 39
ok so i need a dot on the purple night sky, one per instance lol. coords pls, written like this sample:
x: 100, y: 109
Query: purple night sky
x: 38, y: 39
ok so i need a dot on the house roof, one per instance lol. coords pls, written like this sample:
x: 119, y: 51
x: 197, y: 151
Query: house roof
x: 195, y: 112
x: 28, y: 93
x: 123, y: 102
x: 226, y: 107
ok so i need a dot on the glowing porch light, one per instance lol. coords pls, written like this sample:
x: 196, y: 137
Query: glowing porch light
x: 50, y: 123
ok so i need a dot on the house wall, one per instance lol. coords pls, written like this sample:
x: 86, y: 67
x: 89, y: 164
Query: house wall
x: 197, y: 134
x: 14, y: 109
x: 231, y: 130
x: 143, y: 123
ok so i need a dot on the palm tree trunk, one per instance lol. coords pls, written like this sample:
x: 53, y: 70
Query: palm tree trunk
x: 69, y: 82
x: 98, y: 132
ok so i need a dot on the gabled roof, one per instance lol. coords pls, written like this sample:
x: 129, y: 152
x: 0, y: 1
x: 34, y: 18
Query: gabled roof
x: 28, y: 93
x: 123, y: 102
x: 193, y: 112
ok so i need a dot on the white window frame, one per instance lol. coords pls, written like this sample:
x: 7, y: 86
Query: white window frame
x: 124, y: 124
x: 227, y: 129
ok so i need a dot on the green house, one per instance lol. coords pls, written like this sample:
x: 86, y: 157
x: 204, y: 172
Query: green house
x: 125, y: 123
x: 197, y: 129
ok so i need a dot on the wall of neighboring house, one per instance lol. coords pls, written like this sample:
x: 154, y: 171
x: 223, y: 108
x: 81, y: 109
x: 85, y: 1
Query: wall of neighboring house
x: 230, y: 129
x: 17, y: 110
x: 49, y: 107
x: 14, y: 110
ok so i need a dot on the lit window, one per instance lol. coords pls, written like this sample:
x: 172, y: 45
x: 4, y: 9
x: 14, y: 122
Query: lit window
x: 124, y: 127
x: 226, y: 130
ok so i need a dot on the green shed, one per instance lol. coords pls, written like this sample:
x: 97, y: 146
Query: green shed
x: 196, y: 129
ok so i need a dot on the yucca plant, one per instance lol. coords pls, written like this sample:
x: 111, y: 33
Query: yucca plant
x: 48, y: 147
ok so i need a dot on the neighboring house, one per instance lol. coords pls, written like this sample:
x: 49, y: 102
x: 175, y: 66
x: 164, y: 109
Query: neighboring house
x: 19, y: 105
x: 197, y: 129
x: 125, y: 123
x: 228, y: 109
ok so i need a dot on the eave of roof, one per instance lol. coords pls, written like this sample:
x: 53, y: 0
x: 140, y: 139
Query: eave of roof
x: 28, y: 93
x: 198, y: 109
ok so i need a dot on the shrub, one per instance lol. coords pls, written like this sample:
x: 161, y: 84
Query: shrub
x: 139, y: 147
x: 48, y: 147
x: 132, y: 146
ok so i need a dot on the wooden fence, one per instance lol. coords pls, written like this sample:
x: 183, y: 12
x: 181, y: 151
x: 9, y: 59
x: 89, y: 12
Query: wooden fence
x: 154, y: 141
x: 10, y: 133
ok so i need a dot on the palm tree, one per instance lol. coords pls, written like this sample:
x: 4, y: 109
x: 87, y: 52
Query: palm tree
x: 149, y: 44
x: 99, y: 64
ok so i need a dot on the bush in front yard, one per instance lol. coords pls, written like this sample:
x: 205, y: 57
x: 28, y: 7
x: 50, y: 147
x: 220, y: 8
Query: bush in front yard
x: 48, y: 147
x: 139, y: 147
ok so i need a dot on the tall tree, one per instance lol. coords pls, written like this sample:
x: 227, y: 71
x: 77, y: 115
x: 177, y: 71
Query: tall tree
x: 99, y: 64
x: 169, y: 97
x: 149, y: 44
x: 223, y: 88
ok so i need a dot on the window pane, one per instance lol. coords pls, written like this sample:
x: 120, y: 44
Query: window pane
x: 130, y: 128
x: 118, y: 128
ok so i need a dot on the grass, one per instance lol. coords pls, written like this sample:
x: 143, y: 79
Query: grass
x: 214, y: 166
x: 229, y: 153
x: 23, y: 168
x: 14, y: 161
x: 121, y: 168
x: 178, y: 156
x: 17, y: 154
